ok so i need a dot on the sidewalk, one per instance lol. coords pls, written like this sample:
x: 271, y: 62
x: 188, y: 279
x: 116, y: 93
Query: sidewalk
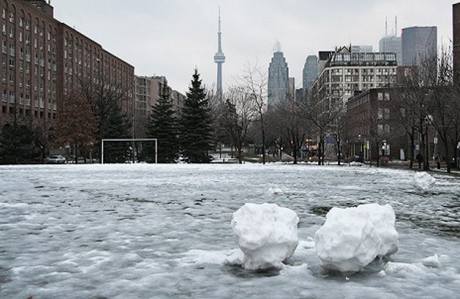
x: 433, y: 167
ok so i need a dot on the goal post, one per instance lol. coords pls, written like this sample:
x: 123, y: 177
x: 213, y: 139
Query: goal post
x: 154, y: 140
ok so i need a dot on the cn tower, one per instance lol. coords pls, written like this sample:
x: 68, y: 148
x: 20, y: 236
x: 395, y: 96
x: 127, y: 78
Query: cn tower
x: 219, y: 59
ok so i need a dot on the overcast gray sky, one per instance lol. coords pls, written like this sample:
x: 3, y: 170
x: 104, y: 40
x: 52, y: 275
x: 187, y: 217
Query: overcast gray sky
x: 171, y: 37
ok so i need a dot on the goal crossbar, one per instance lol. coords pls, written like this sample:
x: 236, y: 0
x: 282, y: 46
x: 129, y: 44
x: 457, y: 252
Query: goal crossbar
x: 130, y: 140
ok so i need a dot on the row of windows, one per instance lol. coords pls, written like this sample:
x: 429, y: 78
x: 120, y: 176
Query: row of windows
x: 383, y: 113
x: 362, y: 78
x: 28, y: 112
x: 365, y: 71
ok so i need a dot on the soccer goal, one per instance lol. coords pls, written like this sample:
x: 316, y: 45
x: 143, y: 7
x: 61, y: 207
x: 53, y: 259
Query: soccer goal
x: 132, y: 142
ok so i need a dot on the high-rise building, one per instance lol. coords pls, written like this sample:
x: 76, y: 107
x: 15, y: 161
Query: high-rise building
x: 43, y: 61
x: 148, y: 91
x: 278, y: 78
x: 219, y: 59
x: 310, y: 72
x: 391, y: 44
x: 291, y: 91
x: 456, y: 41
x: 419, y: 44
x: 323, y: 58
x: 362, y: 49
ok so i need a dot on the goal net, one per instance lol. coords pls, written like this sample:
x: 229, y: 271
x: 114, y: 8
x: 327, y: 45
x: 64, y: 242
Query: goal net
x: 129, y: 150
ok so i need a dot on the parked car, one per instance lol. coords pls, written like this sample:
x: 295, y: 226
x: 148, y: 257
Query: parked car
x: 55, y: 159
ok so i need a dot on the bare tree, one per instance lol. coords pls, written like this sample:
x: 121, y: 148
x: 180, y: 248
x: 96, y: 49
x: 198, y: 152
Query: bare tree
x: 239, y: 111
x: 442, y: 103
x: 404, y: 103
x: 291, y: 125
x: 323, y: 115
x: 255, y: 83
x: 77, y: 124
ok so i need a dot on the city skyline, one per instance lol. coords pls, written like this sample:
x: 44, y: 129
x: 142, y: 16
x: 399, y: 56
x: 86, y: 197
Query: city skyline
x: 151, y: 34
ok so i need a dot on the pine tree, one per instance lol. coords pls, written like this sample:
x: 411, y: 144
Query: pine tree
x: 17, y: 144
x: 112, y: 123
x: 196, y: 131
x: 163, y: 126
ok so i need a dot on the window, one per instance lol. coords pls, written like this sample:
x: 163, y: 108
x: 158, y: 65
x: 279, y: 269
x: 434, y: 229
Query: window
x: 387, y: 96
x: 403, y: 112
x: 380, y: 129
x: 387, y: 114
x: 387, y: 129
x: 380, y: 114
x: 380, y: 96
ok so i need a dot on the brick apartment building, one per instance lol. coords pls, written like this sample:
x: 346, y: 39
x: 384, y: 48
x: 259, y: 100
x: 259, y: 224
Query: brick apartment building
x: 147, y: 93
x: 43, y: 60
x: 374, y: 125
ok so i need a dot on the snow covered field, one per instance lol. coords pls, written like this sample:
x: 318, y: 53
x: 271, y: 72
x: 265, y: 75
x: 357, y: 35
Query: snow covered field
x: 146, y: 231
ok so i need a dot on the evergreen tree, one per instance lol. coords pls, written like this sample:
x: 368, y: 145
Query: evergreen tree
x: 196, y: 131
x: 18, y: 144
x: 112, y: 123
x: 163, y: 126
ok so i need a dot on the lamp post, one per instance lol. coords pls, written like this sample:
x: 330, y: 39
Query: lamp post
x: 361, y: 149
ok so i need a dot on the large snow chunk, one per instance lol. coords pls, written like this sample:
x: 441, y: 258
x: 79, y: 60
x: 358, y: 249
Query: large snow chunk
x: 353, y: 238
x: 267, y: 235
x: 424, y: 181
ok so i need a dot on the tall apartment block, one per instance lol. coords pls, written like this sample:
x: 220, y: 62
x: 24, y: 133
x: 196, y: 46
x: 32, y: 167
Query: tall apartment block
x: 148, y: 91
x: 419, y: 44
x: 44, y: 60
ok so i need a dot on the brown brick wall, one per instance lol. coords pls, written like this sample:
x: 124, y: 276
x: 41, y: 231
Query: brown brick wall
x: 42, y: 60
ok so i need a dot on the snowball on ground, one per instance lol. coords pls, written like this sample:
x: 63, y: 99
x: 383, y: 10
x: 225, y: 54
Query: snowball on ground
x: 352, y: 238
x: 267, y: 235
x: 424, y: 180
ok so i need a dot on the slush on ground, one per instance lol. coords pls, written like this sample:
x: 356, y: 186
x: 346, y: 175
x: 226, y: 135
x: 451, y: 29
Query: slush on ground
x: 165, y: 231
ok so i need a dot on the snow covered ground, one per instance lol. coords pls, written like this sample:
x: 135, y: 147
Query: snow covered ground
x: 146, y: 231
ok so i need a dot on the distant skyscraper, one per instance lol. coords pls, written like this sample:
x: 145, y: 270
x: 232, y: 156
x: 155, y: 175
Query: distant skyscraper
x: 391, y: 44
x: 323, y: 57
x: 291, y: 91
x: 362, y: 49
x: 310, y: 72
x: 219, y: 59
x: 418, y: 44
x: 278, y: 78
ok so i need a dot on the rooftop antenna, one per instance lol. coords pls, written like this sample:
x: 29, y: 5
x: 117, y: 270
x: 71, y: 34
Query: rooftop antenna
x: 220, y: 22
x: 396, y: 26
x: 386, y: 26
